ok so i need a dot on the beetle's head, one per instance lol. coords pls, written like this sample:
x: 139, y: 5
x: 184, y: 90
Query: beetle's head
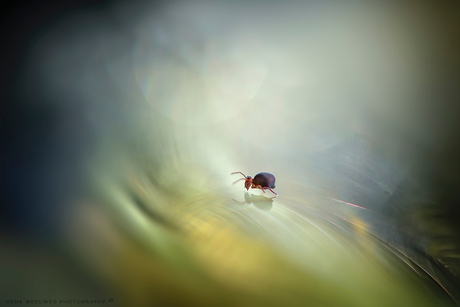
x: 248, y: 182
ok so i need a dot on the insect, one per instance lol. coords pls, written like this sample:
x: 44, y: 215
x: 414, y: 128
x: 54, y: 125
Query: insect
x: 260, y: 181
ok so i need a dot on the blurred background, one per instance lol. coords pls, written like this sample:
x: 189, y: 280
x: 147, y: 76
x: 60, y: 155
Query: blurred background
x: 121, y: 123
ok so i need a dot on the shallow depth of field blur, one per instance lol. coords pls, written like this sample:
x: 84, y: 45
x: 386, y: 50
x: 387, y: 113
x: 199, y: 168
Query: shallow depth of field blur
x: 132, y: 118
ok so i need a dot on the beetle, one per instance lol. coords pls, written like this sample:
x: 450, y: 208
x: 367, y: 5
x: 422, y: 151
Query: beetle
x: 260, y: 181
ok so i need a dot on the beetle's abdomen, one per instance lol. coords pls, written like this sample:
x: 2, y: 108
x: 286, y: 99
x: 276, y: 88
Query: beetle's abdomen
x: 266, y: 180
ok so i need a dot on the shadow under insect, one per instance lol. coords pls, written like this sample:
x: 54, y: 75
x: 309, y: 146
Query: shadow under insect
x: 259, y: 201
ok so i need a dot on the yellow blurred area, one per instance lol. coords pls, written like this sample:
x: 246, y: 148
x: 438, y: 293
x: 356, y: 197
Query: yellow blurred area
x: 206, y: 249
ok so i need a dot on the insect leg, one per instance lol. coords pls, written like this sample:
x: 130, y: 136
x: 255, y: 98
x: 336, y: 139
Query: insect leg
x: 272, y: 191
x: 259, y: 187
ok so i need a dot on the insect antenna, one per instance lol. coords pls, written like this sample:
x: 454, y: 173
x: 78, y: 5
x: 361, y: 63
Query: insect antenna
x: 239, y: 173
x: 239, y: 180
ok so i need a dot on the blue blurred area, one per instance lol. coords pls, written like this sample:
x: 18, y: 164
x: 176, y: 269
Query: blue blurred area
x: 43, y: 143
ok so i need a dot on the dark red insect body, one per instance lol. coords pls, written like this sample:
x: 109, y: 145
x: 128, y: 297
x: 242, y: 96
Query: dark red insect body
x: 260, y: 181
